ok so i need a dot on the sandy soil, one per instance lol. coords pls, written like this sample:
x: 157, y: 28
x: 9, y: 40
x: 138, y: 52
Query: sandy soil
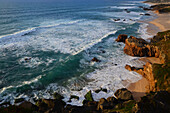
x: 138, y: 88
x: 151, y: 59
x: 162, y: 22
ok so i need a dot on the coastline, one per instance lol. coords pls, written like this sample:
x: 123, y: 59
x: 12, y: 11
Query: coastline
x: 160, y: 23
x: 123, y: 100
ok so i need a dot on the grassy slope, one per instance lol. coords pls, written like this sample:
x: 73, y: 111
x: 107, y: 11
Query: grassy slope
x: 161, y: 71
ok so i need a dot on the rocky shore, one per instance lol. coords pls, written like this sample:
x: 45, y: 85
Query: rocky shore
x: 154, y: 99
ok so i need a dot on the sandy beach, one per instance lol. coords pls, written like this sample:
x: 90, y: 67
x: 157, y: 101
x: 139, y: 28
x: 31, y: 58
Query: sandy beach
x: 138, y: 88
x: 161, y: 23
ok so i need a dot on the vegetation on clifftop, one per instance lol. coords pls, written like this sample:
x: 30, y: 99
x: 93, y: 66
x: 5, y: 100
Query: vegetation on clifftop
x: 161, y: 71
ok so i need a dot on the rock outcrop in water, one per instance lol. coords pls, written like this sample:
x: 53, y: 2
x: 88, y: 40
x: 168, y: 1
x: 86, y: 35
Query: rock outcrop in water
x: 139, y: 47
x: 122, y: 38
x: 154, y: 102
x: 156, y: 74
x: 157, y: 99
x: 135, y: 46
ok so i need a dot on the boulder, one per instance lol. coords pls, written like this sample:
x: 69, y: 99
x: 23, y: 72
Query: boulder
x: 73, y: 97
x: 124, y: 94
x: 121, y: 38
x: 28, y: 105
x: 128, y: 67
x: 92, y: 105
x: 135, y: 46
x: 112, y: 101
x: 57, y: 96
x: 95, y: 60
x: 50, y: 105
x: 103, y: 104
x: 19, y: 100
x: 147, y: 14
x: 154, y: 102
x: 117, y: 19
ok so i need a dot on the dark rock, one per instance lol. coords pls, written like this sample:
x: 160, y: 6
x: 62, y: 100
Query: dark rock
x: 57, y: 96
x: 121, y: 38
x: 88, y: 96
x: 116, y: 19
x: 19, y: 100
x: 51, y: 105
x: 92, y: 105
x: 103, y: 104
x: 154, y: 103
x: 42, y: 107
x: 128, y: 11
x: 28, y: 105
x: 123, y: 94
x: 5, y: 104
x: 95, y: 60
x: 104, y: 90
x: 97, y: 91
x: 112, y: 101
x: 73, y: 96
x: 128, y: 67
x: 145, y: 8
x: 27, y: 59
x: 103, y: 51
x: 147, y: 14
x: 16, y: 109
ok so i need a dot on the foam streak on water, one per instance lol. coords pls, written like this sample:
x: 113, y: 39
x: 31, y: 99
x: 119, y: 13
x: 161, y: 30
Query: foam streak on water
x: 47, y: 48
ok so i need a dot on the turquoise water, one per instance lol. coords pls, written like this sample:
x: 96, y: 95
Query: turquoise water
x: 47, y: 47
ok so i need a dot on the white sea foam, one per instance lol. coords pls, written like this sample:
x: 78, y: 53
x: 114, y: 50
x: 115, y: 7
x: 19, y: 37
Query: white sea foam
x: 19, y: 33
x: 109, y: 77
x: 56, y: 38
x: 128, y: 21
x: 123, y: 7
x: 94, y: 42
x: 44, y: 25
x: 86, y: 34
x: 22, y: 84
x: 143, y: 31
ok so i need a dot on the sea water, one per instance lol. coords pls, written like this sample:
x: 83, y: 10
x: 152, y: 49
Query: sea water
x: 47, y: 47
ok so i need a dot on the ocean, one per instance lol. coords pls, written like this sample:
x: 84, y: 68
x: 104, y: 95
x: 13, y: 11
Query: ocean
x: 47, y: 47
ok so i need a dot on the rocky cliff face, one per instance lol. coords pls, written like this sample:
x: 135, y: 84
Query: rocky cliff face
x: 139, y: 47
x: 156, y: 74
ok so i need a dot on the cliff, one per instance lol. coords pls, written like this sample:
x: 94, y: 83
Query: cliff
x: 157, y: 74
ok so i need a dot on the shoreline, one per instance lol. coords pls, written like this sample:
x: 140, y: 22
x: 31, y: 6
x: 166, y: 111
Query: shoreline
x: 158, y: 24
x: 129, y: 98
